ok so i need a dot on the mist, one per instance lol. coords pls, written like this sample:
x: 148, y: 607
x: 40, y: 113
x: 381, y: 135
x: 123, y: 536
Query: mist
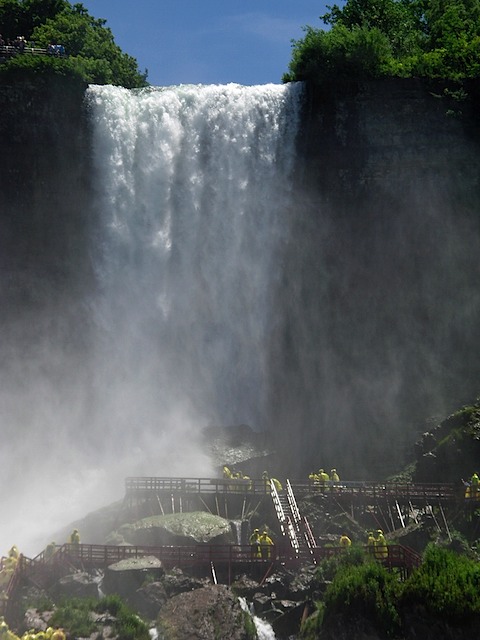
x: 163, y: 334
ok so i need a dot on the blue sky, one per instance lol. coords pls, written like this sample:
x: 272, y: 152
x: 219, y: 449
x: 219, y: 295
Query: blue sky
x: 209, y: 41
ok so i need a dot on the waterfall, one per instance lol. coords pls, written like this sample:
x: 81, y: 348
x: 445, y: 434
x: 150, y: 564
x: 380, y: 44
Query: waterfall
x: 194, y: 183
x: 191, y: 188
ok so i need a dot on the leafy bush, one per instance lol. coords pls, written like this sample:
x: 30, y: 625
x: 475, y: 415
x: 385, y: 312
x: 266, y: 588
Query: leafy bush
x: 438, y: 39
x: 446, y: 583
x: 328, y: 568
x: 368, y: 590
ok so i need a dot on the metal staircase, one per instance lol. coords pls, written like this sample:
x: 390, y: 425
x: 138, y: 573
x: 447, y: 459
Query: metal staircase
x: 293, y: 525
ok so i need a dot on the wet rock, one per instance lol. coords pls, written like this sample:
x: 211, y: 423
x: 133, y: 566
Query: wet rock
x: 208, y: 613
x: 149, y: 599
x: 76, y: 585
x: 126, y: 576
x: 197, y: 527
x: 287, y: 624
x: 175, y: 582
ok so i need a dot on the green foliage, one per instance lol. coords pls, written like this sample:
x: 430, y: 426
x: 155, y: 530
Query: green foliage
x: 328, y: 568
x: 128, y: 625
x: 89, y: 44
x: 446, y: 583
x: 371, y: 38
x: 368, y: 590
x: 76, y: 617
x: 341, y: 53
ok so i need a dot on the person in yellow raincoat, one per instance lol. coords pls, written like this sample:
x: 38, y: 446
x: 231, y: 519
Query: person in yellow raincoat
x: 381, y: 548
x: 254, y: 542
x: 266, y: 544
x: 345, y: 541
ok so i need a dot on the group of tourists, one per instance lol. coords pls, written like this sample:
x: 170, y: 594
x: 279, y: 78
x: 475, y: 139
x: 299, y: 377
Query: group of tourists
x: 261, y: 544
x: 240, y: 478
x: 322, y: 479
x: 377, y: 545
x: 49, y: 634
x: 20, y: 45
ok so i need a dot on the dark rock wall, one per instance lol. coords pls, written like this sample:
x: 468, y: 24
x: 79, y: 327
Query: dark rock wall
x: 44, y: 208
x: 380, y: 298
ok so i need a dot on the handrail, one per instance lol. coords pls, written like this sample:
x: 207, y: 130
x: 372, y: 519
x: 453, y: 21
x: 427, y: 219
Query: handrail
x: 12, y: 50
x: 293, y: 503
x: 102, y: 556
x: 286, y: 524
x: 405, y: 490
x: 377, y: 490
x: 135, y: 486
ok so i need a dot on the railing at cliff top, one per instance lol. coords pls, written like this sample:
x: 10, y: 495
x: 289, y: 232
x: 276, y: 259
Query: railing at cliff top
x: 10, y: 51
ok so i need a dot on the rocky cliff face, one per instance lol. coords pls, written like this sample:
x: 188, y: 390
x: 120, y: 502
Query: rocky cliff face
x: 45, y: 208
x: 379, y: 329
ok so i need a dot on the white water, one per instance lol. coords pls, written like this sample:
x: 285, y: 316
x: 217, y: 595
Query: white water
x: 194, y: 181
x: 264, y: 628
x: 191, y: 184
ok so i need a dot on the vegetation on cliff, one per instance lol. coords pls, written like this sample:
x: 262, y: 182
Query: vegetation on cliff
x: 91, y: 52
x: 405, y: 38
x: 363, y: 595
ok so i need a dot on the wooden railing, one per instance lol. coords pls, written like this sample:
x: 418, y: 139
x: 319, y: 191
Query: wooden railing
x: 90, y: 556
x: 359, y: 490
x: 151, y: 485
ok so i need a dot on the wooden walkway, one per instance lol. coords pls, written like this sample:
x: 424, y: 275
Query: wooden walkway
x: 359, y: 492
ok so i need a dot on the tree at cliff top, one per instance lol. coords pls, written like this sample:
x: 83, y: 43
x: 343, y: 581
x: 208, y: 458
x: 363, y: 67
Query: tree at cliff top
x: 374, y: 38
x: 91, y: 50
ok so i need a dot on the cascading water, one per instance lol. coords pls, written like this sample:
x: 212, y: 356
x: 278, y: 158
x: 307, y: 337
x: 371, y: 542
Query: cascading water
x: 191, y: 188
x: 193, y: 183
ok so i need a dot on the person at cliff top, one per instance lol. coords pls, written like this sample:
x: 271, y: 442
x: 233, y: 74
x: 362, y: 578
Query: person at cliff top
x: 345, y: 541
x: 381, y: 549
x: 334, y: 477
x: 266, y: 544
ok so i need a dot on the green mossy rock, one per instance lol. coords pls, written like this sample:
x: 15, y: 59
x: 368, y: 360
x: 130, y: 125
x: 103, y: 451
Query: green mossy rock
x: 178, y: 529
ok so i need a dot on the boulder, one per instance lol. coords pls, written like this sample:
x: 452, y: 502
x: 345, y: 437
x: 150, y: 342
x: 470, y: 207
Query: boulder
x: 76, y: 585
x: 197, y: 527
x: 209, y: 613
x: 127, y: 576
x: 149, y: 599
